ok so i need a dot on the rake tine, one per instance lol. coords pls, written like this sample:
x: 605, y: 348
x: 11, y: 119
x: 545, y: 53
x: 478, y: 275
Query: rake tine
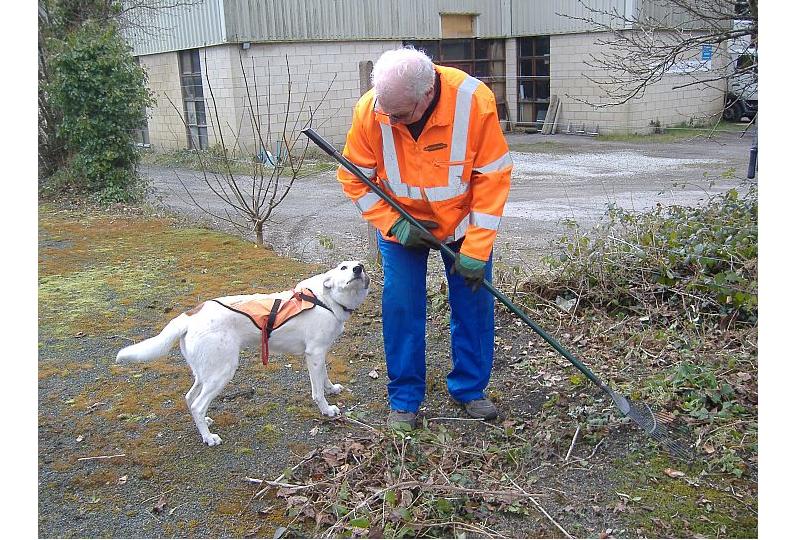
x: 653, y: 424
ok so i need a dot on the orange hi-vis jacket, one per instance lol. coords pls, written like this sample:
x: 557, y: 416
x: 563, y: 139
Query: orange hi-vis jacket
x: 458, y: 173
x: 271, y: 311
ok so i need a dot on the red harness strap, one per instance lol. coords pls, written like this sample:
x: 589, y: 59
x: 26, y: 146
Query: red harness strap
x: 270, y: 312
x: 269, y: 327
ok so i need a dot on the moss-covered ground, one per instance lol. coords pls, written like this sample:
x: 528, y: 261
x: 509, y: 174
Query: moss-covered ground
x: 120, y: 457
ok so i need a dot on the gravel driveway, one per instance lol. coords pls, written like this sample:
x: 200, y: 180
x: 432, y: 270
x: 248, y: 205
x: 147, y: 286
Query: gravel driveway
x: 555, y: 177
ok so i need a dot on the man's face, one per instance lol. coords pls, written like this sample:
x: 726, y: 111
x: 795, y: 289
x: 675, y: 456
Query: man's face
x: 402, y: 110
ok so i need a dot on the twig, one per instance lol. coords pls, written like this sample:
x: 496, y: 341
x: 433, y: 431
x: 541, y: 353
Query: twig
x: 455, y: 419
x: 542, y: 510
x: 430, y: 487
x: 161, y: 494
x: 122, y: 337
x: 279, y: 478
x: 100, y: 457
x: 548, y: 516
x: 362, y: 424
x: 574, y: 439
x: 590, y: 456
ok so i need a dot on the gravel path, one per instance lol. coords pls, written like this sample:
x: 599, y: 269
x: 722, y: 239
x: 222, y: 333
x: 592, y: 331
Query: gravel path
x: 555, y: 178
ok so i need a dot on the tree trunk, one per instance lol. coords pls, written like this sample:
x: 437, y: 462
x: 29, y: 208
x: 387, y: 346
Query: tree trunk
x: 259, y: 228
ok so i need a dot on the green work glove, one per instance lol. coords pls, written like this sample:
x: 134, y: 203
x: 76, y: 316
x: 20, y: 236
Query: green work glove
x: 412, y: 236
x: 471, y: 270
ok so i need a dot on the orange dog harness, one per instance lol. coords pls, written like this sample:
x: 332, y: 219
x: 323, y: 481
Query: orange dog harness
x: 271, y: 312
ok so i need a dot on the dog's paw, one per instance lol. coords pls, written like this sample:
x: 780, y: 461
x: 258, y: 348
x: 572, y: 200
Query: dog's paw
x: 331, y: 411
x: 213, y: 439
x: 335, y: 389
x: 209, y: 420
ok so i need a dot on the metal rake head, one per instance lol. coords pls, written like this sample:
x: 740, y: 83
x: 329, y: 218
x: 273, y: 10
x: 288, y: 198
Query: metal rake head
x: 652, y: 423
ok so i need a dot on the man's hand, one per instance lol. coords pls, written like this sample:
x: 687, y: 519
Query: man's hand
x: 412, y: 236
x: 472, y: 270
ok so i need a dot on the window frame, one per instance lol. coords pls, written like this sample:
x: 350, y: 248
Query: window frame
x: 191, y: 78
x: 495, y: 58
x: 532, y: 109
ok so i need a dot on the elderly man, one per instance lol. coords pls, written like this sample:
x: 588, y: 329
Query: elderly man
x: 430, y: 136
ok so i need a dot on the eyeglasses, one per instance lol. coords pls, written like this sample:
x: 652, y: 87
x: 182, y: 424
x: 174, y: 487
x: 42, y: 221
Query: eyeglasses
x: 395, y: 118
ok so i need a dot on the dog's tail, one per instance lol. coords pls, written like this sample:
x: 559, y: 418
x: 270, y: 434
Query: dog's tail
x: 156, y: 346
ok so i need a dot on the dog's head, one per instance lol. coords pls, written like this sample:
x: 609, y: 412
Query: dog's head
x: 347, y: 283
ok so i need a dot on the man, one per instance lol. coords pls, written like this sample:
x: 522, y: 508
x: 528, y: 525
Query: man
x: 430, y: 136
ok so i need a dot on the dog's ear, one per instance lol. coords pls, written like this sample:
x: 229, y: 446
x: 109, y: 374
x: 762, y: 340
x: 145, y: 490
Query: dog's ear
x: 328, y: 282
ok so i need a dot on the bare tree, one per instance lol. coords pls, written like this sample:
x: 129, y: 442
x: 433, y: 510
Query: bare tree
x: 250, y: 200
x: 141, y: 17
x: 664, y: 37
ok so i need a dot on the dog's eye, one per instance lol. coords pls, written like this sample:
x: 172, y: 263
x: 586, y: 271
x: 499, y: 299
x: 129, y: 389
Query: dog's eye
x: 343, y: 268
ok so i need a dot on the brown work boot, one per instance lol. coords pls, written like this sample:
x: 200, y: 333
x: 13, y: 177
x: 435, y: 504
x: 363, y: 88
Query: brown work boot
x: 481, y: 408
x: 402, y: 420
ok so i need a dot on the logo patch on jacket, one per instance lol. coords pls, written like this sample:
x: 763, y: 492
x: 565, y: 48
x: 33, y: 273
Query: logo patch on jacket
x: 434, y: 147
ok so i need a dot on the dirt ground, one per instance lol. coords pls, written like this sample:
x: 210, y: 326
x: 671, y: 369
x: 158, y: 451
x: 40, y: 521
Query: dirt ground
x: 120, y: 457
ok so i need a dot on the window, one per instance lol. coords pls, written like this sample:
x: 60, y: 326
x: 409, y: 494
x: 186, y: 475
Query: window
x: 533, y: 62
x: 141, y: 134
x: 484, y: 59
x: 194, y: 108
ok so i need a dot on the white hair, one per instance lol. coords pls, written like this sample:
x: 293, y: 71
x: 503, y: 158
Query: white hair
x: 407, y: 72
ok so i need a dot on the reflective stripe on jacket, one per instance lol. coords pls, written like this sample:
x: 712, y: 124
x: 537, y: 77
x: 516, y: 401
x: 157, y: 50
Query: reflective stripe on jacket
x: 457, y: 173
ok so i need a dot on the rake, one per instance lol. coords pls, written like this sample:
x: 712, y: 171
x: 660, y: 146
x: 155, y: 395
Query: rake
x: 640, y: 413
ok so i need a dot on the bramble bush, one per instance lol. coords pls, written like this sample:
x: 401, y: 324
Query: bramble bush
x: 697, y: 264
x: 101, y: 92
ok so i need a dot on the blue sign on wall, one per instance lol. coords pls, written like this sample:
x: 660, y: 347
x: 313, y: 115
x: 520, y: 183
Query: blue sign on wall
x: 706, y: 52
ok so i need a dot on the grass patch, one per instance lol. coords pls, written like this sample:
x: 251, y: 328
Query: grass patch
x: 680, y: 132
x: 661, y: 506
x: 107, y: 275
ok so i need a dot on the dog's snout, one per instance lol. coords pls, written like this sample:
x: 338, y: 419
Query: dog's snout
x: 357, y: 269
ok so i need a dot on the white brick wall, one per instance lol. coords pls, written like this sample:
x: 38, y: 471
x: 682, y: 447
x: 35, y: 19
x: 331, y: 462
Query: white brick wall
x: 312, y: 66
x: 165, y: 124
x: 569, y: 55
x: 318, y: 63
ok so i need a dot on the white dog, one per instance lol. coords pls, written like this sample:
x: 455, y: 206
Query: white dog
x: 212, y: 336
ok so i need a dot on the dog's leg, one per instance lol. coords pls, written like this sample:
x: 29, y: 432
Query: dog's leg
x: 211, y: 385
x: 210, y: 390
x: 315, y: 362
x: 331, y: 388
x: 193, y: 392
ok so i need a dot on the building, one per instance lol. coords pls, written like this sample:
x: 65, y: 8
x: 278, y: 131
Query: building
x: 244, y: 72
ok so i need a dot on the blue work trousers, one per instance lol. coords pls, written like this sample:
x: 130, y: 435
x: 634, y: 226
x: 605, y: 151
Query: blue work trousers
x: 404, y: 315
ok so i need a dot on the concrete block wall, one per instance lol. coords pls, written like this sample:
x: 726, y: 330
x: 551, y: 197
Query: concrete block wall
x: 323, y: 76
x: 512, y: 86
x: 320, y: 76
x: 219, y: 93
x: 166, y: 128
x: 570, y: 55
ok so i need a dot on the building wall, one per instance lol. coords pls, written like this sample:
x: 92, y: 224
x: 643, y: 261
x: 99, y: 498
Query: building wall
x: 569, y: 55
x: 324, y: 76
x: 511, y: 80
x: 165, y: 125
x: 316, y: 66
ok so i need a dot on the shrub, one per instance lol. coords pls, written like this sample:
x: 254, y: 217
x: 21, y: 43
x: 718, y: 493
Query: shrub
x: 697, y: 264
x: 101, y: 92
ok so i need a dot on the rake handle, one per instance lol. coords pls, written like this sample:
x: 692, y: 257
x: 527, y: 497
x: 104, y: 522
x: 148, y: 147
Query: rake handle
x: 347, y: 164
